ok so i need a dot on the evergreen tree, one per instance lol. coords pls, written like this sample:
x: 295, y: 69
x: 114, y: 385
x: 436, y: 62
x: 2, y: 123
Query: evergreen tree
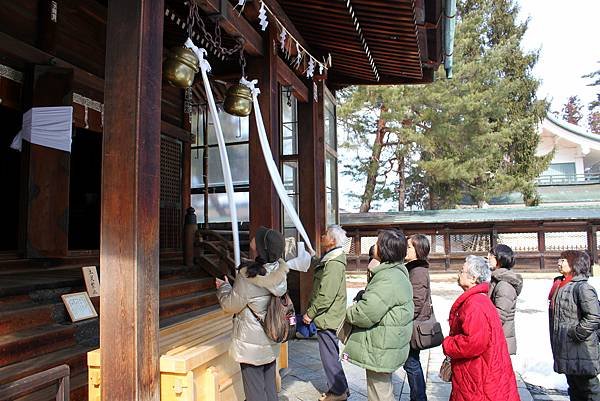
x: 473, y: 135
x: 571, y: 111
x: 594, y: 106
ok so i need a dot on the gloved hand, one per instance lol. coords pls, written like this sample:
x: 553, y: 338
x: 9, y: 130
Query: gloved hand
x: 359, y: 296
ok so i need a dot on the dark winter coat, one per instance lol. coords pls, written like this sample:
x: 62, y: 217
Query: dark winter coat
x: 574, y: 318
x: 418, y: 274
x: 505, y: 287
x: 481, y: 366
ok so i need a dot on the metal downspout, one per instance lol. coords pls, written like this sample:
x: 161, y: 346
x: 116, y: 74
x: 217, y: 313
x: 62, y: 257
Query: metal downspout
x: 449, y: 29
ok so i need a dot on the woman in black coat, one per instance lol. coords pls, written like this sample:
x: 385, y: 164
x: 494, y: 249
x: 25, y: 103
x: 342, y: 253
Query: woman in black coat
x: 574, y: 322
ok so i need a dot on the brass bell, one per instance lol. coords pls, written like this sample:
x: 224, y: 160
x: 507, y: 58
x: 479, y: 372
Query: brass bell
x: 238, y: 100
x: 180, y: 66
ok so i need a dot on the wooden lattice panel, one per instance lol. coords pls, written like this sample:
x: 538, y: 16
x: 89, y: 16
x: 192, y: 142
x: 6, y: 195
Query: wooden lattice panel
x: 171, y: 224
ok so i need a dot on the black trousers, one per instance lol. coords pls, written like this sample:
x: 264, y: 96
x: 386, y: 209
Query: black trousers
x: 259, y: 382
x: 583, y: 388
x: 330, y: 358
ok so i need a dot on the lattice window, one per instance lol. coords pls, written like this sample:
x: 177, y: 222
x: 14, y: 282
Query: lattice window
x: 349, y: 246
x: 519, y: 242
x: 171, y: 220
x: 462, y: 243
x: 366, y: 243
x: 562, y: 241
x: 436, y: 243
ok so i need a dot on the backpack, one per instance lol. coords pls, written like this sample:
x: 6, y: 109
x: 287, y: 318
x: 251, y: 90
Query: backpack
x: 280, y: 320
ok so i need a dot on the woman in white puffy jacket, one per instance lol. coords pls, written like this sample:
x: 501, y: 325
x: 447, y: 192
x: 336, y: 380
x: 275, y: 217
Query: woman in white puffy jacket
x: 248, y: 298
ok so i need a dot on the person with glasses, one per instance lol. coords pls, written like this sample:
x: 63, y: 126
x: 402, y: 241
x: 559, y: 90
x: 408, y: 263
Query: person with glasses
x: 481, y: 366
x: 574, y: 319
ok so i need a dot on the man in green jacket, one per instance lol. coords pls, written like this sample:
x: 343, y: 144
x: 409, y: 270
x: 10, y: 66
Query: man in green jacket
x: 327, y: 308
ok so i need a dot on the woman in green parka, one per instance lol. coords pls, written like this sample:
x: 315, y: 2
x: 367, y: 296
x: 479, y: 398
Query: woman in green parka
x: 382, y: 318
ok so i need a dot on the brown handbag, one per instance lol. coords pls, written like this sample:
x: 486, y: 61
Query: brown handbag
x: 446, y: 370
x: 343, y: 331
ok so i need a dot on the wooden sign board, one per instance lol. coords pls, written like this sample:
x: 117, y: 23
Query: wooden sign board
x: 92, y: 283
x: 79, y: 305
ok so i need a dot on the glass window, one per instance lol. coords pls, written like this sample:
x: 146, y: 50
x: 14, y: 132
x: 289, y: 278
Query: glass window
x: 197, y: 126
x: 331, y: 193
x: 238, y: 161
x: 290, y: 182
x: 218, y: 207
x: 289, y: 122
x: 330, y: 124
x: 235, y: 132
x: 235, y: 129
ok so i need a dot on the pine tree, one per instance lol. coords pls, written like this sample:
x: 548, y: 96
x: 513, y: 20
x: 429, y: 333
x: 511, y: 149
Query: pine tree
x: 594, y: 106
x: 571, y: 111
x: 594, y: 121
x: 474, y: 135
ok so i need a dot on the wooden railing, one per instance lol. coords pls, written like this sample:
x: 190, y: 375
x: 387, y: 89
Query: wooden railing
x: 38, y: 381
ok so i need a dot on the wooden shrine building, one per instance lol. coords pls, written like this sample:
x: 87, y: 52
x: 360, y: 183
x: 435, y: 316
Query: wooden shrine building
x: 141, y: 152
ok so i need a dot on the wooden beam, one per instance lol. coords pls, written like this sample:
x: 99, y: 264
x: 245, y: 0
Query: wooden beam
x: 289, y: 78
x: 234, y: 25
x: 129, y: 246
x: 176, y: 132
x: 17, y: 49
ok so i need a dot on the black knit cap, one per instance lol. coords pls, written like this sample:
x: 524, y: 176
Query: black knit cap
x: 270, y: 244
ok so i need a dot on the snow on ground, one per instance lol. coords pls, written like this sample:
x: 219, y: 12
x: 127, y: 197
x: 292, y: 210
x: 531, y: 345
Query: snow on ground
x: 534, y: 357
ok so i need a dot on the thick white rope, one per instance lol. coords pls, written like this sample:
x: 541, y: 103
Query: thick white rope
x: 204, y: 69
x: 272, y: 167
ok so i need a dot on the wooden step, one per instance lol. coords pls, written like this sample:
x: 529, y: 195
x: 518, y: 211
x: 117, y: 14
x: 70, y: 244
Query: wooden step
x: 75, y: 357
x: 171, y: 288
x: 29, y: 343
x: 166, y: 322
x: 187, y: 303
x: 27, y: 315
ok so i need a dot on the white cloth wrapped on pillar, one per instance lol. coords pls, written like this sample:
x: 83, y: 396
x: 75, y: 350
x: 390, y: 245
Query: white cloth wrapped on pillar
x: 46, y: 126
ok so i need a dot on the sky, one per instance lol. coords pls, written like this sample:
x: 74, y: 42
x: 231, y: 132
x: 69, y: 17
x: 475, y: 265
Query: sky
x: 567, y: 33
x: 568, y: 36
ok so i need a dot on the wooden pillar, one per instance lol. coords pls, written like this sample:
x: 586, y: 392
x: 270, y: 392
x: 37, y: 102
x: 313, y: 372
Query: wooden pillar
x: 447, y: 248
x: 264, y: 202
x: 542, y: 246
x: 592, y: 237
x: 311, y: 153
x: 129, y: 245
x: 45, y: 172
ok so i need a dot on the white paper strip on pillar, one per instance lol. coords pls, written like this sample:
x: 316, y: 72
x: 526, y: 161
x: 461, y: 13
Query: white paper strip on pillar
x: 271, y: 166
x: 47, y: 126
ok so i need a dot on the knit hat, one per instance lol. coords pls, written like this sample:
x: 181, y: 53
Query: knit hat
x: 270, y: 244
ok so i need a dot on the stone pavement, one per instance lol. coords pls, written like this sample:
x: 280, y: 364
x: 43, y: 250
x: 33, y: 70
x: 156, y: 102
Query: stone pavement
x: 304, y: 379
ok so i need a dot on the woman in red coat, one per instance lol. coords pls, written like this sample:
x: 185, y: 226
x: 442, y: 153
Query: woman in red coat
x: 481, y: 367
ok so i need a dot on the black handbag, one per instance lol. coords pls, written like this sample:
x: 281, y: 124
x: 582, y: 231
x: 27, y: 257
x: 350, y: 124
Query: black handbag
x: 426, y: 333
